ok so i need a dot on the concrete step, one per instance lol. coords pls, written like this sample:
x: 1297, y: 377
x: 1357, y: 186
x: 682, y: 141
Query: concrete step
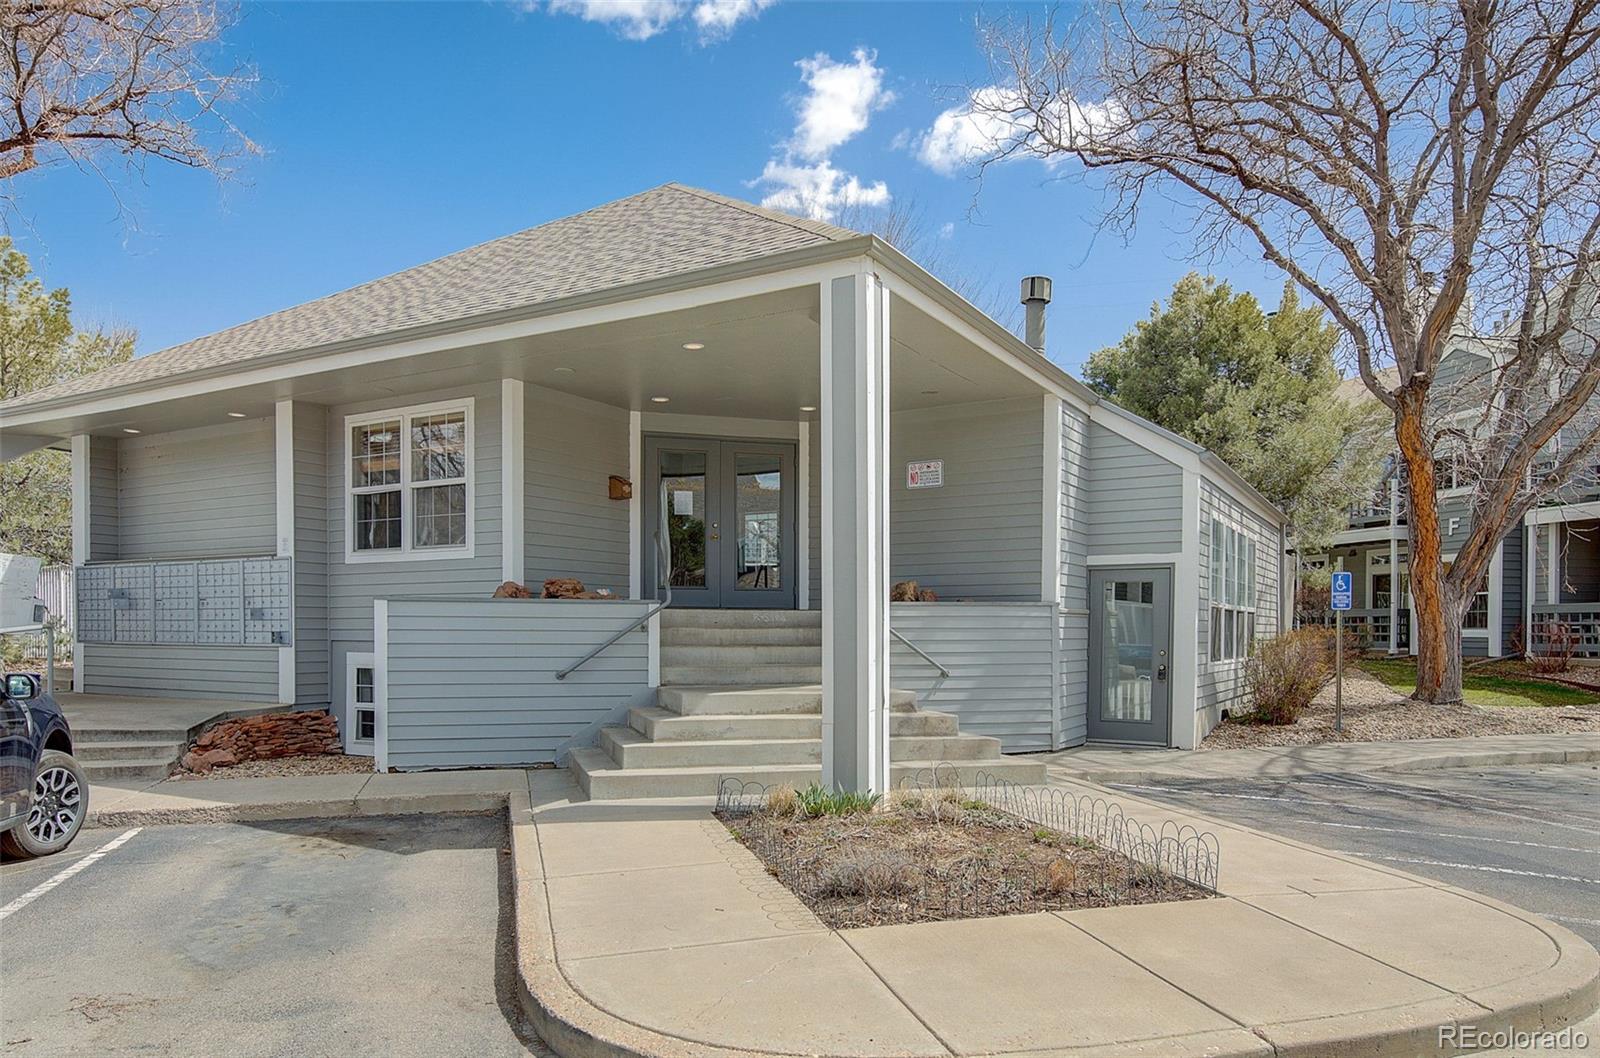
x: 739, y: 675
x: 152, y: 768
x: 684, y: 618
x: 663, y: 725
x: 84, y: 733
x: 735, y: 700
x: 603, y: 779
x: 739, y: 656
x: 762, y: 635
x: 122, y: 749
x: 632, y: 750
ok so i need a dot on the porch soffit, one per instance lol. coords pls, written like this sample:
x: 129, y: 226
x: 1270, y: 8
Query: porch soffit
x: 760, y: 359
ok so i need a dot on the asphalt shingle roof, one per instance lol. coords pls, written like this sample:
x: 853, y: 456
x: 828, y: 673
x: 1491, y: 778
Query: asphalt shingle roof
x: 660, y: 233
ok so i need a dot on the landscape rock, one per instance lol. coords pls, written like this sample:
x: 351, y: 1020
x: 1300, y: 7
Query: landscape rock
x: 266, y: 737
x: 512, y: 590
x: 563, y: 588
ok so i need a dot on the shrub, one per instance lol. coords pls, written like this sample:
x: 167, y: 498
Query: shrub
x: 818, y: 800
x: 1286, y: 672
x: 1554, y: 643
x: 870, y: 874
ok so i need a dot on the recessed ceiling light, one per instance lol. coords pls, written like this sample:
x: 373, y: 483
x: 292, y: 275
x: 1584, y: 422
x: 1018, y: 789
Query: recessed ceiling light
x: 659, y: 400
x: 565, y: 371
x: 693, y: 346
x: 808, y: 407
x: 236, y: 415
x: 129, y: 429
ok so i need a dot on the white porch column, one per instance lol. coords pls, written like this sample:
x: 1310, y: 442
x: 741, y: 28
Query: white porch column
x: 80, y: 547
x: 513, y: 480
x: 283, y: 461
x: 1552, y: 569
x: 1394, y: 567
x: 855, y: 533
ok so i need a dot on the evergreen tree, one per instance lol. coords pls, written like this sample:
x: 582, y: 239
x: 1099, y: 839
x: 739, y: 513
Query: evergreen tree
x: 1261, y: 390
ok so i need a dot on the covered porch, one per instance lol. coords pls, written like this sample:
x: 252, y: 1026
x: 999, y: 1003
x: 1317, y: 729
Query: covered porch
x: 1564, y: 580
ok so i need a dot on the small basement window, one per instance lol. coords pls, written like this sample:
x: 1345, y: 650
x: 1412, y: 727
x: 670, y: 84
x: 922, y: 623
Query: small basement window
x: 409, y: 483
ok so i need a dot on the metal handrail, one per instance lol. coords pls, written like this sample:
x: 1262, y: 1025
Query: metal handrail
x: 664, y: 564
x: 923, y: 654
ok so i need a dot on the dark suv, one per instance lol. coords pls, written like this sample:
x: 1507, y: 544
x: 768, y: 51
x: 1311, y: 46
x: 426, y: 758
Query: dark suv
x: 43, y: 794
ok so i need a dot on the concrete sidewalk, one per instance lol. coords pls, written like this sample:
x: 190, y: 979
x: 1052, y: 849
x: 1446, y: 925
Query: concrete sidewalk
x: 1113, y: 764
x: 645, y: 929
x: 322, y: 796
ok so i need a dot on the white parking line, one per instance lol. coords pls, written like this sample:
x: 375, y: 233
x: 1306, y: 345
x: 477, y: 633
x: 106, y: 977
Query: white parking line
x: 1451, y: 834
x: 1469, y: 867
x: 44, y: 887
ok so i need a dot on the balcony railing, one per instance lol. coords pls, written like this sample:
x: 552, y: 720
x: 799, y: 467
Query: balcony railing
x: 1580, y: 620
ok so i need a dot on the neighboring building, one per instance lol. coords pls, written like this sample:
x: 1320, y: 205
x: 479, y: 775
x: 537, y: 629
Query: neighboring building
x: 1546, y: 572
x: 315, y: 507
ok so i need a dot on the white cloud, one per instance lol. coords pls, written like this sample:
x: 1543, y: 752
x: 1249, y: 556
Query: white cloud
x: 818, y: 191
x: 947, y: 229
x: 716, y: 18
x: 837, y: 106
x: 643, y: 19
x: 993, y: 121
x: 839, y: 101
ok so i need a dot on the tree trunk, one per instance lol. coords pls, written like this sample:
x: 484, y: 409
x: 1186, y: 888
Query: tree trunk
x: 1435, y: 614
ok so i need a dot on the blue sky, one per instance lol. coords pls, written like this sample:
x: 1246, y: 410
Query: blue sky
x: 395, y: 133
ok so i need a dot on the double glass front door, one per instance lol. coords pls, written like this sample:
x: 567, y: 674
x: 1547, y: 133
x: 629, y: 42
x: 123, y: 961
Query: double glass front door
x: 729, y: 511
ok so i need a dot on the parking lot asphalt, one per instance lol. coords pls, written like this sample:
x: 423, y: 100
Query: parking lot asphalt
x: 376, y: 936
x: 1527, y: 835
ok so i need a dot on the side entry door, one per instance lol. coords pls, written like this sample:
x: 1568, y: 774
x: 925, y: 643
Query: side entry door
x: 1130, y: 655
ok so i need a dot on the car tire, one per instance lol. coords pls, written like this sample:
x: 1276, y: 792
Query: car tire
x: 55, y: 815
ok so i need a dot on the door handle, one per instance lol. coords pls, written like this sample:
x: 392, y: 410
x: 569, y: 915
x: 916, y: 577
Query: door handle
x: 1161, y: 672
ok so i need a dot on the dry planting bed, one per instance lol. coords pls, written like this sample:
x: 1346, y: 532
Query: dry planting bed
x: 319, y: 764
x: 930, y: 857
x: 1374, y: 712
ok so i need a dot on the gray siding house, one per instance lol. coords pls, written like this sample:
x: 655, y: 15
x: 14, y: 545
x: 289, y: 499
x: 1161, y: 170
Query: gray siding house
x: 742, y: 427
x: 1545, y: 574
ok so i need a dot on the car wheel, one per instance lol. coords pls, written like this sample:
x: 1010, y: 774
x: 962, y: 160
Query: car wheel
x: 60, y: 800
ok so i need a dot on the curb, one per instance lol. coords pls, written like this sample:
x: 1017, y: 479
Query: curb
x: 1467, y: 759
x: 574, y: 1027
x: 283, y: 810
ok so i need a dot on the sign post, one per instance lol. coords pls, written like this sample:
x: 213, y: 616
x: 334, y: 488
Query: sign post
x: 1340, y: 596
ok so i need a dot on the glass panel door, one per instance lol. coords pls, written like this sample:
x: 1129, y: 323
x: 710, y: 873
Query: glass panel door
x: 756, y: 540
x: 1130, y: 655
x: 681, y: 495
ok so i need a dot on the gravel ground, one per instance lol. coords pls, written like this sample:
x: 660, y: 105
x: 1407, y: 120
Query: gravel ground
x: 1373, y: 713
x: 318, y: 764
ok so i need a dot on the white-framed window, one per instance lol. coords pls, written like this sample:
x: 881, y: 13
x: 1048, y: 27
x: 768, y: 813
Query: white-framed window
x: 1233, y: 592
x: 361, y: 703
x: 408, y: 483
x: 1476, y: 619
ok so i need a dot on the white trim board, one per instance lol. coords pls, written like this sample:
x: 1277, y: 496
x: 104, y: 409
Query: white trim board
x: 1148, y: 558
x: 1566, y: 512
x: 513, y: 479
x: 283, y: 483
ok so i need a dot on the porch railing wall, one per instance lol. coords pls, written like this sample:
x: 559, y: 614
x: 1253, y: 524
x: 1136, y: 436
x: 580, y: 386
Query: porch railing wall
x: 1002, y: 661
x: 1581, y: 620
x: 473, y: 681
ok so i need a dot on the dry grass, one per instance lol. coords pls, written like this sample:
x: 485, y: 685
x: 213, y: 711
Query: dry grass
x: 937, y: 856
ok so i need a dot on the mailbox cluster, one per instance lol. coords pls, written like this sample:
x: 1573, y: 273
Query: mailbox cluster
x: 215, y: 602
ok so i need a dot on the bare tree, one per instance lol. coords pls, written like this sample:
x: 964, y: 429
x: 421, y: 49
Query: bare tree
x: 1421, y: 169
x: 79, y: 78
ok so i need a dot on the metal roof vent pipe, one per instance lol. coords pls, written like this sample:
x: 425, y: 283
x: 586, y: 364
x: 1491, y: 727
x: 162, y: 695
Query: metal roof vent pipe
x: 1035, y: 296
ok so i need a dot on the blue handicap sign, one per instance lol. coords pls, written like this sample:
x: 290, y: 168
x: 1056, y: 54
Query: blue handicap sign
x: 1343, y: 591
